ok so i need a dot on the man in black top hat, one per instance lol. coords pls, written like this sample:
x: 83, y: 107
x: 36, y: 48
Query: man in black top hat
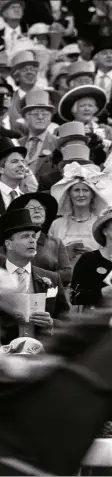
x: 19, y: 235
x: 12, y: 171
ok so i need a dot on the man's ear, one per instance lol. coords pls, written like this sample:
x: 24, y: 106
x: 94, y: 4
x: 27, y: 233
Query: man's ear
x: 8, y: 244
x: 1, y: 170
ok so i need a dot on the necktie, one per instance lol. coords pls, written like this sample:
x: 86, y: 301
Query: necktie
x: 105, y: 84
x: 22, y: 280
x: 13, y: 195
x: 33, y: 147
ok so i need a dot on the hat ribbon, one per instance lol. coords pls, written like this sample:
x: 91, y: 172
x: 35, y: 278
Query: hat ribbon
x: 90, y: 174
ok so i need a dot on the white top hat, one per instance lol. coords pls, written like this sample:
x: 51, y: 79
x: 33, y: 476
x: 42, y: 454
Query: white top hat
x: 76, y: 152
x: 38, y: 29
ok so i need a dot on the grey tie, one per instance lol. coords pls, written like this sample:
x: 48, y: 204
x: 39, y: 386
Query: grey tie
x: 13, y: 195
x: 22, y: 280
x: 33, y: 146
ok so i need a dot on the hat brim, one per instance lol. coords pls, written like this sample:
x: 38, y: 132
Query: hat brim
x: 22, y: 64
x: 9, y: 150
x: 98, y: 227
x: 36, y: 106
x: 7, y: 233
x: 61, y: 141
x: 9, y: 2
x: 46, y: 200
x: 68, y: 100
x: 80, y: 73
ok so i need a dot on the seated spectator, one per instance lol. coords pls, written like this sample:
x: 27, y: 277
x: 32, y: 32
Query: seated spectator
x: 93, y: 288
x: 24, y: 71
x: 51, y: 253
x: 19, y: 236
x: 85, y: 104
x: 37, y: 111
x: 11, y: 170
x: 79, y: 201
x: 12, y: 13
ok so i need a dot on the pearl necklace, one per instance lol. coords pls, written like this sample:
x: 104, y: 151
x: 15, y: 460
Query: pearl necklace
x: 81, y: 220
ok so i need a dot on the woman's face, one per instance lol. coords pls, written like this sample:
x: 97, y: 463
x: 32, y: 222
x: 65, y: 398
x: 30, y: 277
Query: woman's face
x: 85, y: 111
x: 81, y: 195
x: 107, y: 231
x: 37, y: 212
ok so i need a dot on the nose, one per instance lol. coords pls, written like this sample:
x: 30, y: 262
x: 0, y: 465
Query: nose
x: 81, y: 193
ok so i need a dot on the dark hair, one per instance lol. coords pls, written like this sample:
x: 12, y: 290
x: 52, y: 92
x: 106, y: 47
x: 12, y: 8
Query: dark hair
x: 57, y: 156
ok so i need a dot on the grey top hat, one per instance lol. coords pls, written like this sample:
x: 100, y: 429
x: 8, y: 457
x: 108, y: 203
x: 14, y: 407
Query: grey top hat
x: 73, y: 130
x: 23, y: 58
x: 80, y: 68
x: 37, y: 98
x: 76, y: 152
x: 70, y: 98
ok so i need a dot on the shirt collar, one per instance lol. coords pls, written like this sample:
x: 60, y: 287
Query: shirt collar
x: 101, y: 73
x: 6, y: 189
x: 9, y: 29
x: 12, y: 268
x: 41, y: 136
x: 21, y: 93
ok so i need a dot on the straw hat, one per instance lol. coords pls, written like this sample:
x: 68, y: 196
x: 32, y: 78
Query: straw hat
x: 71, y: 132
x: 71, y: 49
x: 72, y: 174
x: 70, y: 98
x: 37, y: 98
x: 76, y: 152
x: 99, y: 224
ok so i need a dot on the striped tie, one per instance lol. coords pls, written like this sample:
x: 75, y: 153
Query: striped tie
x: 22, y: 280
x: 13, y: 195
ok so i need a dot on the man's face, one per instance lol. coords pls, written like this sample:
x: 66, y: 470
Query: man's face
x: 22, y: 244
x: 105, y: 59
x: 86, y: 49
x: 28, y: 75
x: 14, y: 166
x: 13, y: 12
x: 80, y: 80
x: 85, y: 109
x: 38, y: 119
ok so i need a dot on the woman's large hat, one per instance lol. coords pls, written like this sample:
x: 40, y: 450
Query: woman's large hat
x: 99, y: 224
x: 8, y: 146
x: 71, y: 132
x: 23, y: 58
x: 74, y: 173
x: 36, y: 98
x: 15, y: 221
x: 80, y: 68
x: 70, y: 98
x: 50, y: 204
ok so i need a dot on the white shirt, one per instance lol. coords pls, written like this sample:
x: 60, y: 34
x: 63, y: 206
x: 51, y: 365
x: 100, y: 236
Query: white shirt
x: 12, y: 269
x: 104, y: 80
x: 5, y: 191
x: 10, y: 37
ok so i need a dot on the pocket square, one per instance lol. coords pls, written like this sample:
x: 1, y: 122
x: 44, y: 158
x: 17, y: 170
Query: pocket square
x: 52, y: 292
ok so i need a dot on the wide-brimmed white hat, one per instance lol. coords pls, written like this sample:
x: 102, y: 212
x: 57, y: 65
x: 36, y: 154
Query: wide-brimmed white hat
x: 69, y: 99
x: 73, y: 173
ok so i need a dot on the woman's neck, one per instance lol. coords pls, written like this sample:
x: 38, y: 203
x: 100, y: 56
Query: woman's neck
x: 81, y: 213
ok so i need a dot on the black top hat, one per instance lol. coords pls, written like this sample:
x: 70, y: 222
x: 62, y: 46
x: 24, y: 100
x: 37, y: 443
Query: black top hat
x: 15, y: 221
x: 7, y: 146
x: 50, y: 204
x: 103, y: 43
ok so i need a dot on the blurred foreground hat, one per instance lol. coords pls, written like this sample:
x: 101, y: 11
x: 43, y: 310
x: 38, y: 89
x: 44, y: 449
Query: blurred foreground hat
x: 36, y: 98
x: 70, y: 98
x: 80, y: 68
x: 76, y: 152
x: 23, y: 58
x: 99, y: 224
x: 29, y: 346
x: 71, y: 132
x: 38, y: 29
x: 15, y: 221
x: 6, y: 4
